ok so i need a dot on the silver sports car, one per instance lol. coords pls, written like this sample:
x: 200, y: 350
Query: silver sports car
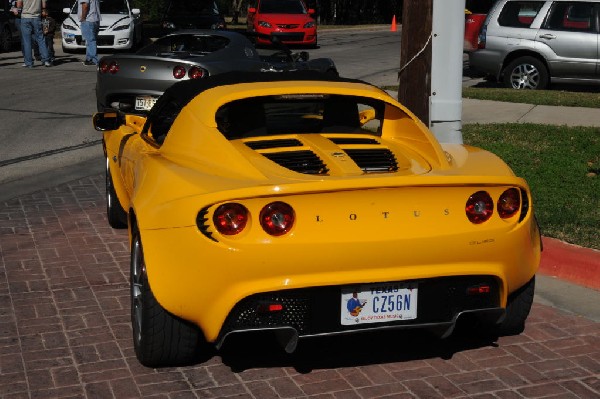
x: 133, y: 82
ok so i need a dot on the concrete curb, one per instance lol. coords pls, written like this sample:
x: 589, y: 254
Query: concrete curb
x: 570, y: 262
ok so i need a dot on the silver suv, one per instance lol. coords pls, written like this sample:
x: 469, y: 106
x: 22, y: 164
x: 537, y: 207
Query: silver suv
x: 525, y: 44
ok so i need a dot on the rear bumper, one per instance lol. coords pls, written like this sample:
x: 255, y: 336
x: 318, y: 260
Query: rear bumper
x: 486, y: 61
x: 316, y: 311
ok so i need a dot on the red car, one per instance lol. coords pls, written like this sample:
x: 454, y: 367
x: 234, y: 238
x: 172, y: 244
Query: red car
x: 289, y: 20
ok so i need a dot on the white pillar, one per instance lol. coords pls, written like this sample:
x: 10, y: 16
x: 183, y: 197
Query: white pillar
x: 445, y: 99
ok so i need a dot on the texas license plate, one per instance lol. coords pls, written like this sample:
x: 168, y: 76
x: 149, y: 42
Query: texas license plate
x: 144, y: 103
x: 378, y: 303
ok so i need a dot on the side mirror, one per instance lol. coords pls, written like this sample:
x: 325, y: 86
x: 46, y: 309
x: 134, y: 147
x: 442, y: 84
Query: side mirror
x: 251, y: 10
x: 104, y: 121
x: 311, y: 11
x: 135, y: 11
x: 66, y: 10
x: 366, y: 115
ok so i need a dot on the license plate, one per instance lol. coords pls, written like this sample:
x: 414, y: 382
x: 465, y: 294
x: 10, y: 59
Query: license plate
x: 378, y: 303
x: 144, y: 103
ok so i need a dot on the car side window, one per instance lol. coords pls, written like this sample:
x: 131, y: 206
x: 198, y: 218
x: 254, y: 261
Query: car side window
x: 575, y: 16
x: 160, y: 121
x: 519, y: 14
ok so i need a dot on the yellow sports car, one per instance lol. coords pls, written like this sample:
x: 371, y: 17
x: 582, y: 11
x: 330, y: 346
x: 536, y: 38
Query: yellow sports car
x: 307, y: 205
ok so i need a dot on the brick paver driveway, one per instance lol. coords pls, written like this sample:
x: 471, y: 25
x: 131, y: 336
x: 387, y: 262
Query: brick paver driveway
x: 65, y: 332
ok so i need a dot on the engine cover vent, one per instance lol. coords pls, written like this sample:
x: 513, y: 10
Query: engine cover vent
x: 374, y: 160
x: 306, y: 162
x: 352, y: 140
x: 267, y: 144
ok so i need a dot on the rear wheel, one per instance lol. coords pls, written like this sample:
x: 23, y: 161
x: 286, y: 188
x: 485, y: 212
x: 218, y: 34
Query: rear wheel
x: 117, y: 217
x: 517, y: 309
x: 159, y: 338
x: 526, y: 73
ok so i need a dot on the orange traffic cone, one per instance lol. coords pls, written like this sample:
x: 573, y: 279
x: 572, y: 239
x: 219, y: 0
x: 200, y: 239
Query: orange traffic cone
x: 393, y: 28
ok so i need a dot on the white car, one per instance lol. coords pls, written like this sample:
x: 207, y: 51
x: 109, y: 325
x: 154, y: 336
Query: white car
x: 120, y: 27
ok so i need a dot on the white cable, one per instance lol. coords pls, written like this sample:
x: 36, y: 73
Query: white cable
x: 415, y: 56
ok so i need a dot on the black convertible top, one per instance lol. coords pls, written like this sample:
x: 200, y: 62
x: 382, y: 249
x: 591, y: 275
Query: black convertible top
x: 183, y: 92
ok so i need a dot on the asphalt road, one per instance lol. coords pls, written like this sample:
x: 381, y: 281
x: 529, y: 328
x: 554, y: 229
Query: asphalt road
x: 46, y: 112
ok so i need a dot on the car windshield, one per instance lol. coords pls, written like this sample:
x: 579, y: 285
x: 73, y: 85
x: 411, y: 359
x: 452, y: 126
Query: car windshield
x: 187, y: 8
x: 113, y: 7
x: 299, y: 113
x: 192, y: 44
x: 281, y: 7
x: 109, y: 7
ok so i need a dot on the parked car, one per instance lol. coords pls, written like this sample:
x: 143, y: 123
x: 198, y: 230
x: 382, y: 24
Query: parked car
x: 191, y: 14
x: 475, y: 13
x: 290, y: 20
x: 9, y: 35
x: 304, y: 205
x: 121, y: 27
x: 526, y: 43
x: 135, y: 81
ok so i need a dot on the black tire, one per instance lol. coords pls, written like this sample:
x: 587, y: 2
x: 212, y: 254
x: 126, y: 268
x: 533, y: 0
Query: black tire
x: 117, y: 217
x: 526, y: 73
x: 517, y: 309
x: 160, y: 339
x: 5, y: 40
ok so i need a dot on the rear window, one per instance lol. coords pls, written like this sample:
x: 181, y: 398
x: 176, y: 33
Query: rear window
x: 576, y: 17
x: 519, y: 14
x: 299, y: 114
x: 193, y: 44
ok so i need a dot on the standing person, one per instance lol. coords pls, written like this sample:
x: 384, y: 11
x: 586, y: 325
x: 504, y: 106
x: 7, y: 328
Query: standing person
x: 31, y: 29
x: 89, y: 17
x: 49, y: 29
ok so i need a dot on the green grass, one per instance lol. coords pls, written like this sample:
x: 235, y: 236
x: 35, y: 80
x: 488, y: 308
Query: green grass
x: 537, y: 97
x: 562, y: 167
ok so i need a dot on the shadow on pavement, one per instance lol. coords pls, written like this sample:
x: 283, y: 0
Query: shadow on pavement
x: 248, y: 351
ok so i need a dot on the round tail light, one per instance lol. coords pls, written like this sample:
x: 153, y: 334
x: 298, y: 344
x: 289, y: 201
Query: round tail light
x: 480, y: 207
x: 178, y: 72
x: 230, y: 219
x: 196, y: 73
x: 108, y: 67
x: 509, y: 203
x: 277, y: 218
x: 103, y: 67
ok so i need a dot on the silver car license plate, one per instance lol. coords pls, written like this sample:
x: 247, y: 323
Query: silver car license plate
x: 144, y: 103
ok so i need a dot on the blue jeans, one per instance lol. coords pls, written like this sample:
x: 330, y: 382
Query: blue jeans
x: 31, y: 29
x: 89, y: 32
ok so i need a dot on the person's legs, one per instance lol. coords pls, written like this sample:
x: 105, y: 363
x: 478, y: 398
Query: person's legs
x: 18, y: 27
x: 89, y: 31
x: 50, y: 45
x: 39, y: 39
x: 26, y: 35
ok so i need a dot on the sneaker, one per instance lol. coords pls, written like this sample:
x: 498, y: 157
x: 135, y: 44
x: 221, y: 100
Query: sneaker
x: 47, y: 64
x: 88, y: 62
x: 24, y: 65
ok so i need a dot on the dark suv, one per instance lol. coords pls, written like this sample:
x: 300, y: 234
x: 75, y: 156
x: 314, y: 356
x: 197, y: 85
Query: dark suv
x: 192, y: 14
x: 9, y: 35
